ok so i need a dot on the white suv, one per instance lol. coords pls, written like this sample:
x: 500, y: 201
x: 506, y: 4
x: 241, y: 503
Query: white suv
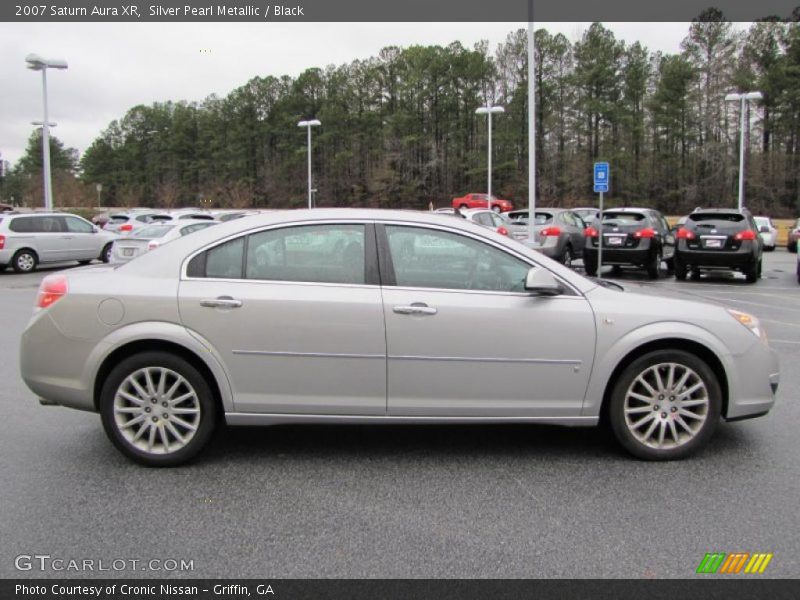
x: 27, y: 240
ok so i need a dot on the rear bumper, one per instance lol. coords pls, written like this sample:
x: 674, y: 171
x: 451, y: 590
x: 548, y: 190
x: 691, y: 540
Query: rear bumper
x: 721, y: 259
x: 621, y: 256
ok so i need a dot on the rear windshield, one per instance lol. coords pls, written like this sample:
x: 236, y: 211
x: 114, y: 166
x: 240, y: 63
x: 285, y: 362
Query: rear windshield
x: 725, y: 217
x: 623, y: 217
x: 153, y: 231
x: 160, y: 218
x: 118, y: 219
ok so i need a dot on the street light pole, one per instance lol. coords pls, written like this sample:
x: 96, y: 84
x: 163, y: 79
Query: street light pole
x: 308, y: 125
x: 488, y: 111
x: 37, y: 63
x: 531, y: 125
x: 742, y: 98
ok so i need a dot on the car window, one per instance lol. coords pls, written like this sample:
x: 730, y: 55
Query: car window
x: 225, y: 261
x: 118, y: 219
x: 49, y: 224
x: 439, y: 259
x: 310, y: 253
x: 484, y: 219
x: 196, y: 227
x: 542, y: 218
x: 153, y: 231
x: 21, y: 225
x: 76, y: 225
x: 624, y: 217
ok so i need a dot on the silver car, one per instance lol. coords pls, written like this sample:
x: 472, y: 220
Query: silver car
x: 370, y: 316
x: 30, y: 239
x: 154, y: 235
x: 558, y: 232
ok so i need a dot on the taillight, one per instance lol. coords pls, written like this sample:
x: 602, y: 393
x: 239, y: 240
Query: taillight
x: 685, y: 234
x: 502, y: 230
x: 590, y: 232
x: 152, y: 245
x: 126, y: 227
x: 2, y: 242
x: 746, y: 235
x: 51, y: 290
x: 550, y: 231
x: 647, y: 233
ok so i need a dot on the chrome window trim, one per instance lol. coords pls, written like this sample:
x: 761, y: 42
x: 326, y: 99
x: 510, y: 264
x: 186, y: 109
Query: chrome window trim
x: 573, y: 292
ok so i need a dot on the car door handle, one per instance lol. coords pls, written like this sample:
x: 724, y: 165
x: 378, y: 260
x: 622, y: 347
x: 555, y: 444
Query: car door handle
x: 415, y: 309
x: 221, y: 302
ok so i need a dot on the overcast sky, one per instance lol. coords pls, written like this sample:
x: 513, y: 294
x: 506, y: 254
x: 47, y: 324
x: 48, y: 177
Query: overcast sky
x: 115, y: 66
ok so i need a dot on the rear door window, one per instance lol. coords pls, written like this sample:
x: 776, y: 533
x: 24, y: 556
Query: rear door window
x: 76, y: 225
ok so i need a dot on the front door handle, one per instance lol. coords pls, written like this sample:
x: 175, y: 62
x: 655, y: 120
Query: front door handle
x: 221, y: 302
x: 418, y: 308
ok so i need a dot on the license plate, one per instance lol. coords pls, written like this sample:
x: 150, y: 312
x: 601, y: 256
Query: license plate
x: 127, y: 252
x: 614, y: 240
x: 713, y: 243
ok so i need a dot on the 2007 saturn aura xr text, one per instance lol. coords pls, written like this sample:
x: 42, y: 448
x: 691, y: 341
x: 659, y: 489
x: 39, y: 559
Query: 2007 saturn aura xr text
x: 362, y: 316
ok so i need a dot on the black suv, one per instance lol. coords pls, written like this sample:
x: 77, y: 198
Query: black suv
x: 719, y: 238
x: 631, y: 236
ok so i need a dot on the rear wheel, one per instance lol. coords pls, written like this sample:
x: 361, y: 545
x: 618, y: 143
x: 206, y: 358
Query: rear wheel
x: 105, y: 255
x: 753, y: 272
x: 654, y: 265
x: 680, y: 268
x: 665, y: 405
x: 589, y: 265
x: 566, y: 258
x: 24, y: 261
x: 157, y: 409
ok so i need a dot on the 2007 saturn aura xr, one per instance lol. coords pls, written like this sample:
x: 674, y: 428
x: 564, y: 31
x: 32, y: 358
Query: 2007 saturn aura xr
x: 360, y: 316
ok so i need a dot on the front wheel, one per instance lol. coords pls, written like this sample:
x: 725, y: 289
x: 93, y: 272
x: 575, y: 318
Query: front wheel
x: 157, y: 409
x: 665, y: 405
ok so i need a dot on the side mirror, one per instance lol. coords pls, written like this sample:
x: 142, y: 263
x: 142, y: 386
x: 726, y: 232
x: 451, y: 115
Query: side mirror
x: 764, y: 229
x: 540, y: 281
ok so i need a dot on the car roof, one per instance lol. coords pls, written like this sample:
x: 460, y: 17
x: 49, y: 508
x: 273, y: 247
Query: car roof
x: 725, y: 211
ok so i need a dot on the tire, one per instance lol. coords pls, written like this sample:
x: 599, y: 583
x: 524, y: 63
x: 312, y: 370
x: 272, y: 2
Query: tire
x: 679, y: 267
x: 769, y: 248
x: 753, y: 272
x: 566, y: 258
x: 670, y: 262
x: 654, y: 266
x: 798, y: 272
x: 105, y: 255
x: 192, y: 419
x: 791, y: 246
x: 686, y: 428
x: 24, y: 261
x: 589, y: 265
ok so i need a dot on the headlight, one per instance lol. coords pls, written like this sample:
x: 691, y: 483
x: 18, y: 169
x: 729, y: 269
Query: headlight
x: 749, y: 321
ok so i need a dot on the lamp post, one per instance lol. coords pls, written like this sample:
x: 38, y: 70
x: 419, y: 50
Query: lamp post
x: 742, y: 98
x: 37, y: 63
x: 531, y: 125
x: 308, y: 125
x: 489, y: 111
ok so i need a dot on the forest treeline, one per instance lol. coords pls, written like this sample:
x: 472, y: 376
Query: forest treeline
x: 400, y: 129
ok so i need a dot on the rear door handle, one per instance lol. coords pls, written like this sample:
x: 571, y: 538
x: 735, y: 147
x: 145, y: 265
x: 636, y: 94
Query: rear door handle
x: 221, y: 302
x: 418, y: 308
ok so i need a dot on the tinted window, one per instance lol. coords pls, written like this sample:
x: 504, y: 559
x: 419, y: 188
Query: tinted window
x: 118, y: 219
x: 76, y: 225
x: 225, y: 261
x: 153, y: 231
x: 542, y: 218
x: 437, y: 259
x: 624, y: 217
x: 314, y: 253
x: 729, y: 217
x: 196, y: 227
x: 21, y: 225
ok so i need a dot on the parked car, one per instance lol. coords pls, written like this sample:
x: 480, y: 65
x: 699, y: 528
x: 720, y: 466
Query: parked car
x: 155, y: 235
x: 30, y: 239
x: 486, y: 218
x: 719, y: 239
x: 415, y: 319
x: 767, y: 232
x: 638, y: 237
x: 482, y: 201
x: 797, y: 244
x: 558, y: 232
x: 126, y: 222
x: 793, y: 237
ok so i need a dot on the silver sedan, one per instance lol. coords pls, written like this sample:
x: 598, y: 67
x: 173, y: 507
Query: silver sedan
x: 153, y: 236
x: 368, y: 316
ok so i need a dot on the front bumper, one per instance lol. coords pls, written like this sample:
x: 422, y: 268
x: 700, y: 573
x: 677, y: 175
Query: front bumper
x: 753, y: 379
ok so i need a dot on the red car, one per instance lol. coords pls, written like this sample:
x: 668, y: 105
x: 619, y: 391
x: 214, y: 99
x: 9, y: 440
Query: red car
x: 481, y: 201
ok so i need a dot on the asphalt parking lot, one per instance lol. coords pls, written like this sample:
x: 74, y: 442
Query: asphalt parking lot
x: 444, y: 502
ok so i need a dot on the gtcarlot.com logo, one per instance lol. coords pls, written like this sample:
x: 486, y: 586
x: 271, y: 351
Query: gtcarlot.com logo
x: 736, y: 562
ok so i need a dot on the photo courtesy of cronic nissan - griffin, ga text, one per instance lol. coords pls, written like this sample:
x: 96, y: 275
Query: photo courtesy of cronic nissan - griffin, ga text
x: 377, y: 316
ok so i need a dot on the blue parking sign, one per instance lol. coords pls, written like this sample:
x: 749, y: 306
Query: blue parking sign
x: 601, y: 177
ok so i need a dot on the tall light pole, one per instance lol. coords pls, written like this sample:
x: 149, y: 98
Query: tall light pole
x: 308, y: 125
x: 531, y: 125
x: 37, y: 63
x: 489, y: 111
x: 742, y: 98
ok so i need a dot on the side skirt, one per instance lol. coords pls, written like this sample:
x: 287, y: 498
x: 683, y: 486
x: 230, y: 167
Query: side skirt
x: 282, y: 419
